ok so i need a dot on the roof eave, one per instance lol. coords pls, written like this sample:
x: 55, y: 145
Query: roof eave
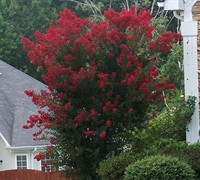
x: 5, y: 141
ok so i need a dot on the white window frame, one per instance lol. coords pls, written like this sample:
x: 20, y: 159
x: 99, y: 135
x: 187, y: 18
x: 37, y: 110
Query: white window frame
x: 27, y: 161
x: 51, y: 166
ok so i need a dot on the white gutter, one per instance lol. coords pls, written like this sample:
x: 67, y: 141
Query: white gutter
x: 32, y: 157
x: 20, y: 147
x: 39, y: 147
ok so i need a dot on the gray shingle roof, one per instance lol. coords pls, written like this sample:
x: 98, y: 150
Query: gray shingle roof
x: 16, y: 107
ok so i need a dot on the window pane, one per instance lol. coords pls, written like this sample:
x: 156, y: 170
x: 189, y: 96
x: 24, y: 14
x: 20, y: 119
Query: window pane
x: 24, y: 158
x: 43, y: 168
x: 48, y: 167
x: 18, y: 158
x: 21, y: 162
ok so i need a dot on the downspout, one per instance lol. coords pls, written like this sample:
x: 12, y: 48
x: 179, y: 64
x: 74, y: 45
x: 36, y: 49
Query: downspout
x: 189, y: 31
x: 31, y: 157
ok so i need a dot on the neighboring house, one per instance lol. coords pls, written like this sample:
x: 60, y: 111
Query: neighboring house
x: 17, y: 147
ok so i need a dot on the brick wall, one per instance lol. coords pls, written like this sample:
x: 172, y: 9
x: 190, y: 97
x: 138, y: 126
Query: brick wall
x: 196, y: 17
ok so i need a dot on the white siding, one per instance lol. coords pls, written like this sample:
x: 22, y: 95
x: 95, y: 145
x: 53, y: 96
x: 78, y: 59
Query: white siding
x: 9, y: 157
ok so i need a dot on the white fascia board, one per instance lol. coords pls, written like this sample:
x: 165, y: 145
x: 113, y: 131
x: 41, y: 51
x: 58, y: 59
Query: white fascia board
x: 5, y: 141
x: 17, y: 148
x: 173, y: 5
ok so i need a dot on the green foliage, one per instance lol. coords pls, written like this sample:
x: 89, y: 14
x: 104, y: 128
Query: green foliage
x: 173, y: 66
x: 170, y: 123
x: 114, y: 166
x: 191, y: 154
x: 166, y: 146
x: 159, y: 167
x: 21, y: 18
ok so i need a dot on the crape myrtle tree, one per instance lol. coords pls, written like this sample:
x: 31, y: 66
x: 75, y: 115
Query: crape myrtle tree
x: 101, y: 79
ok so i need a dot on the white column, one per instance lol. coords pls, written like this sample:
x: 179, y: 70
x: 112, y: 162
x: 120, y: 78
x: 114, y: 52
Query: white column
x: 189, y: 31
x: 191, y: 75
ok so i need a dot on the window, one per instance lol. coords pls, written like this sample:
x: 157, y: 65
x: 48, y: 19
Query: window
x: 21, y: 161
x: 45, y: 166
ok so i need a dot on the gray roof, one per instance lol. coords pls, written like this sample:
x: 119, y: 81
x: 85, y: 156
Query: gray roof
x: 16, y: 107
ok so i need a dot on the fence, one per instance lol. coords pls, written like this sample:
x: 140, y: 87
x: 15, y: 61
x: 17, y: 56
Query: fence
x: 27, y: 174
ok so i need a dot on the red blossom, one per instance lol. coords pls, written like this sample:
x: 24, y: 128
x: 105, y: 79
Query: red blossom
x: 29, y: 93
x: 110, y: 56
x: 38, y: 156
x: 170, y: 86
x: 108, y: 123
x: 114, y: 110
x: 93, y: 112
x: 27, y: 43
x: 47, y: 153
x: 102, y: 134
x: 87, y: 119
x: 105, y: 108
x: 68, y: 105
x: 25, y: 126
x: 37, y: 133
x: 103, y: 82
x: 44, y: 164
x: 89, y: 133
x: 123, y: 82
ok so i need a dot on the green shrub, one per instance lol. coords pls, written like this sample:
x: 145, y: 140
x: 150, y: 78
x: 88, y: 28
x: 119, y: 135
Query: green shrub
x: 113, y: 167
x: 191, y: 154
x: 159, y: 167
x: 179, y: 149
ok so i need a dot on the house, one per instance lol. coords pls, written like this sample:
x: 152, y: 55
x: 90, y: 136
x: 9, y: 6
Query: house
x: 17, y: 147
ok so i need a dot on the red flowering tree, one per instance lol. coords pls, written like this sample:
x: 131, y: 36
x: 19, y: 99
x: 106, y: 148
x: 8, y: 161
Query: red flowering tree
x: 101, y: 78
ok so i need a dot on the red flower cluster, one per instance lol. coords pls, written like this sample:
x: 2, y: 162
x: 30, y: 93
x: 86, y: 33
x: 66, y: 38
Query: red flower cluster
x: 38, y: 157
x: 88, y: 133
x: 102, y: 134
x: 99, y: 75
x: 108, y: 123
